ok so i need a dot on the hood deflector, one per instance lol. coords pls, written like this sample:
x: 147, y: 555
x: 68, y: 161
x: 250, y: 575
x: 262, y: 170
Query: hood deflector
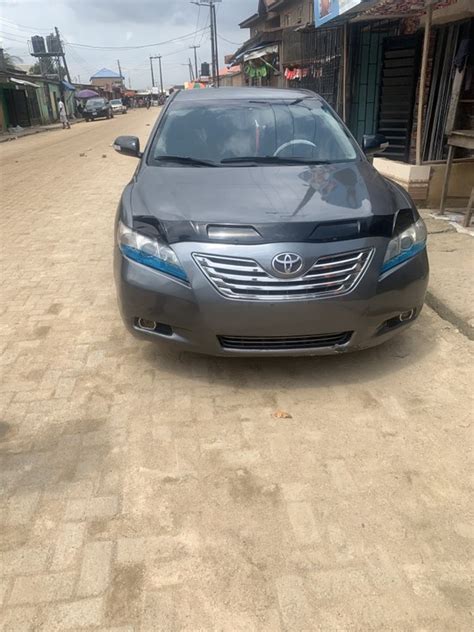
x: 318, y: 232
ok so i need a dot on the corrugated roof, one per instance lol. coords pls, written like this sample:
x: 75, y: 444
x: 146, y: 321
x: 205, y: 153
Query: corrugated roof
x: 105, y: 73
x: 233, y: 70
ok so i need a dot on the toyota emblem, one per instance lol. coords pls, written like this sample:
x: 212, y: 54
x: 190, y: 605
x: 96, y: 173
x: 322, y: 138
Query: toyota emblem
x: 287, y: 263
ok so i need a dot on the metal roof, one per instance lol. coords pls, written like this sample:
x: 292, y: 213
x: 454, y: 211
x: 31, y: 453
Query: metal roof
x: 105, y: 73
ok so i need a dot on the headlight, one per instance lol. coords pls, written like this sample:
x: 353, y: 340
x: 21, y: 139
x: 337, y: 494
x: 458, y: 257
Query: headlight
x: 406, y: 245
x: 149, y: 252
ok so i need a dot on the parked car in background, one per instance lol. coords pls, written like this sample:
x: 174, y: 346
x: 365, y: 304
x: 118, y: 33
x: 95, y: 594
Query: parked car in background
x: 97, y: 107
x: 255, y: 225
x: 118, y: 106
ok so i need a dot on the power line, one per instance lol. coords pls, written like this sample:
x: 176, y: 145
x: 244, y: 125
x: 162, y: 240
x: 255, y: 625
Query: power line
x: 205, y: 32
x: 197, y: 23
x: 175, y: 39
x: 12, y: 39
x: 228, y: 41
x: 22, y: 27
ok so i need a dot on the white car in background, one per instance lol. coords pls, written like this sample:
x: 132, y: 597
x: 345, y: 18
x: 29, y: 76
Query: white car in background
x: 118, y: 107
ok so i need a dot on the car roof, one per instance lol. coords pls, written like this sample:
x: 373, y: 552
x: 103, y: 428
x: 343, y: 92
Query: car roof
x: 244, y: 94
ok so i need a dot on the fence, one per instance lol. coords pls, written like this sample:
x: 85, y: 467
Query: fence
x: 318, y: 55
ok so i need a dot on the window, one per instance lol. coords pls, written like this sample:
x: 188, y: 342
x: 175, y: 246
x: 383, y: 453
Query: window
x: 222, y: 130
x: 95, y: 103
x: 286, y: 19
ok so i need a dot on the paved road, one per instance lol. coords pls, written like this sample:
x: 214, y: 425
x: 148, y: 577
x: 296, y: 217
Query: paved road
x: 147, y: 491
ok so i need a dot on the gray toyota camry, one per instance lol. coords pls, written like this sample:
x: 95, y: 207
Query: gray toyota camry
x: 255, y: 225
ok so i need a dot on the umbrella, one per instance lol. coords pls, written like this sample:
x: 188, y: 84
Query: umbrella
x: 86, y: 94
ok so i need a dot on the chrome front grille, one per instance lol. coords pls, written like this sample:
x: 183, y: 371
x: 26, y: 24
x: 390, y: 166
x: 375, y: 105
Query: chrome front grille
x: 240, y: 278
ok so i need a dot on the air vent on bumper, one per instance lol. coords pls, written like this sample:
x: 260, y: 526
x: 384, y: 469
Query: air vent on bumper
x: 265, y: 343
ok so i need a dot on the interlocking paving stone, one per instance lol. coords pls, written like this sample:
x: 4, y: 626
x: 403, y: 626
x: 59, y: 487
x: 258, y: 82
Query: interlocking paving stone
x: 144, y: 489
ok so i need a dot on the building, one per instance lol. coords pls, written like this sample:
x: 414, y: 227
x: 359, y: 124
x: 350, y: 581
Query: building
x: 28, y: 100
x: 263, y: 55
x: 111, y: 82
x: 231, y: 76
x: 372, y: 63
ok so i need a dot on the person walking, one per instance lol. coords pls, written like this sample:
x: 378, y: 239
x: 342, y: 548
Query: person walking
x: 63, y: 115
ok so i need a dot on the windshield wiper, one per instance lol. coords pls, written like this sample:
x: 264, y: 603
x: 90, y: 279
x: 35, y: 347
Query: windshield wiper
x: 187, y: 160
x: 275, y: 160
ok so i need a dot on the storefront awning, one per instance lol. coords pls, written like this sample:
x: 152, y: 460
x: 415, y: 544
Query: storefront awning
x: 261, y: 52
x: 23, y: 82
x: 68, y: 86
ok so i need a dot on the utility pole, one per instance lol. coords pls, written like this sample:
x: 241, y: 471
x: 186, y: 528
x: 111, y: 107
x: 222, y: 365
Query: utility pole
x: 62, y: 55
x: 213, y: 24
x: 195, y: 60
x: 119, y: 69
x: 214, y: 33
x: 161, y: 74
x: 152, y: 74
x: 158, y: 57
x: 190, y: 66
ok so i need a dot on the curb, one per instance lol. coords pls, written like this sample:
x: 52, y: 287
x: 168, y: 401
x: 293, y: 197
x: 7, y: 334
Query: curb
x: 41, y: 130
x: 446, y: 313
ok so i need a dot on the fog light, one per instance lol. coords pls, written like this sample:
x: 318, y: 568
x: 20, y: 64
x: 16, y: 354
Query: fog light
x: 153, y: 326
x: 397, y: 321
x: 143, y: 323
x: 404, y: 316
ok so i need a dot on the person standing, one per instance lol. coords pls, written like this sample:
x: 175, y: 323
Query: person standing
x: 63, y: 115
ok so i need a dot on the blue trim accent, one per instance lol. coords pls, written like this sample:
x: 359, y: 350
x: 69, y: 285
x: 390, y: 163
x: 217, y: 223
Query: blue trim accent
x: 403, y: 256
x: 154, y: 262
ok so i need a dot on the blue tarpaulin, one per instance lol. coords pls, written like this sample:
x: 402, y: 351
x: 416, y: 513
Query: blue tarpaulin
x: 68, y: 86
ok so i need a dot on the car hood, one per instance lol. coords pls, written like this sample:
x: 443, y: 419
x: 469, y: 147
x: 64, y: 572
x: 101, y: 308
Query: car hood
x: 261, y: 196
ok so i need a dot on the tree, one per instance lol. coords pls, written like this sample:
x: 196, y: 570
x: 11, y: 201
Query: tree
x: 10, y: 61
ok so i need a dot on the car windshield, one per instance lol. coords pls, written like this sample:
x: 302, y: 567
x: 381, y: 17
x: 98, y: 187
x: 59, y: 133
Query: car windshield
x: 253, y: 132
x: 116, y: 102
x: 95, y: 103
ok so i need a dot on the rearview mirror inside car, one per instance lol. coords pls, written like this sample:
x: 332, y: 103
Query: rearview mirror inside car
x: 374, y: 143
x: 128, y: 146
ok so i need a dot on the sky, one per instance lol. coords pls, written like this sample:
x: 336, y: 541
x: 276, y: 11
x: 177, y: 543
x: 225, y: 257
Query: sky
x: 125, y: 23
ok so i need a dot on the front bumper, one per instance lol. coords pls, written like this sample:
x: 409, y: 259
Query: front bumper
x: 97, y: 114
x: 199, y: 315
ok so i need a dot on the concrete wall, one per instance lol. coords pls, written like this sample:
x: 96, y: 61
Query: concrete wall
x: 238, y: 80
x: 104, y: 83
x: 43, y: 98
x: 425, y: 182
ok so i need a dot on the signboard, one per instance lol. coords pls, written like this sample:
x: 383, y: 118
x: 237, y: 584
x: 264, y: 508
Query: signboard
x: 326, y: 10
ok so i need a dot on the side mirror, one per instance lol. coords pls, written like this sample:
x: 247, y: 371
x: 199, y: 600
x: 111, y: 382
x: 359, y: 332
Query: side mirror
x: 128, y: 146
x: 374, y: 143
